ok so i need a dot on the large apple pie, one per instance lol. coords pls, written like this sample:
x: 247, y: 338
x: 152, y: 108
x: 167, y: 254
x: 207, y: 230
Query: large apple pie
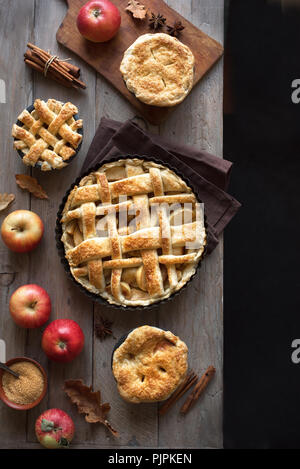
x: 133, y: 232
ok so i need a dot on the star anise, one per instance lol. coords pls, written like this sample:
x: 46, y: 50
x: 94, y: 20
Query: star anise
x: 176, y: 29
x: 103, y: 328
x: 156, y: 21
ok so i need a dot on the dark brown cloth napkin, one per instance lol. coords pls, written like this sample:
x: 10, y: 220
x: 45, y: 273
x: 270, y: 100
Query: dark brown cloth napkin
x: 207, y: 173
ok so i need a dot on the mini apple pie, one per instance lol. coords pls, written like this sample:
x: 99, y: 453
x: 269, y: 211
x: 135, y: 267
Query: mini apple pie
x: 49, y: 135
x: 158, y: 69
x: 149, y: 365
x: 133, y: 232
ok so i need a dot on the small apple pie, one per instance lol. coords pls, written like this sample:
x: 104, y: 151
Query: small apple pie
x: 133, y: 232
x: 149, y: 365
x: 48, y: 136
x: 158, y: 69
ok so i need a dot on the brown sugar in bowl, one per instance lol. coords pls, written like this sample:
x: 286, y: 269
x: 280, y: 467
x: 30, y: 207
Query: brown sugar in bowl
x: 13, y: 405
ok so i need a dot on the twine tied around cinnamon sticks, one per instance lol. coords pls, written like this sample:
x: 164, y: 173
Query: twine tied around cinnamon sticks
x: 51, y: 65
x: 49, y: 62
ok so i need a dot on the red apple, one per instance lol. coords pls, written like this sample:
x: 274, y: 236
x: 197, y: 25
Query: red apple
x: 98, y: 20
x: 22, y: 230
x: 54, y: 429
x: 30, y: 306
x: 62, y: 340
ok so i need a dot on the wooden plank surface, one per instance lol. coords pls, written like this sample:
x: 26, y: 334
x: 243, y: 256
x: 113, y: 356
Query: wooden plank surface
x: 196, y: 316
x: 206, y: 50
x: 14, y: 269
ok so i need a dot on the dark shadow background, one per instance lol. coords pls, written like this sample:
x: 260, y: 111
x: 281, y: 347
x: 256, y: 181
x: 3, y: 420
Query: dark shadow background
x: 262, y: 255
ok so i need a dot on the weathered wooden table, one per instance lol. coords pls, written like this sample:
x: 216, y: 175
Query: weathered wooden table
x: 196, y: 316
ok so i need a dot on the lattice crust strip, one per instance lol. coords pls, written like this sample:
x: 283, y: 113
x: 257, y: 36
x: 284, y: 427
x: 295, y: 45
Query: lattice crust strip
x: 149, y: 257
x: 49, y: 134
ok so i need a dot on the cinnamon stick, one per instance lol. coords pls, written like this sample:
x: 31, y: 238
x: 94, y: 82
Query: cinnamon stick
x: 40, y: 69
x: 46, y: 56
x: 61, y: 71
x: 70, y: 68
x: 40, y: 66
x: 198, y: 389
x: 188, y: 382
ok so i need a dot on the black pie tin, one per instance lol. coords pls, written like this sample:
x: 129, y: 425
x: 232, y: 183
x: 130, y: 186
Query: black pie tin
x: 61, y: 249
x: 38, y: 164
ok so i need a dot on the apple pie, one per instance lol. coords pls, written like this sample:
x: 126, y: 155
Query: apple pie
x: 149, y: 365
x: 48, y: 136
x: 133, y: 232
x: 158, y: 69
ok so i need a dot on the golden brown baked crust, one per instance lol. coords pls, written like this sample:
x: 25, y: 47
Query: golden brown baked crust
x: 128, y: 234
x: 149, y: 365
x: 49, y: 134
x: 158, y: 69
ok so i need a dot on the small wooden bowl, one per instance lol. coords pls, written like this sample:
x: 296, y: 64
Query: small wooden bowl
x: 3, y: 396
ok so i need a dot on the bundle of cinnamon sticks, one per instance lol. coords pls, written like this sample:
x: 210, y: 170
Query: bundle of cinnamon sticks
x: 50, y: 65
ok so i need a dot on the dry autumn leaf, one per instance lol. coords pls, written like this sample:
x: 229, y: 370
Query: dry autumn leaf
x: 137, y: 9
x: 88, y: 403
x: 5, y: 200
x: 30, y: 184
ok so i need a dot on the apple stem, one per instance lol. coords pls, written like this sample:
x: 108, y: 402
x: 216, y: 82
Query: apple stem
x: 97, y: 12
x: 62, y: 345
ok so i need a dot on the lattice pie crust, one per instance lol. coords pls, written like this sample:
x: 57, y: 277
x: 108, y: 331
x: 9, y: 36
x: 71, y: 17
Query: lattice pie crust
x: 133, y: 232
x: 49, y: 135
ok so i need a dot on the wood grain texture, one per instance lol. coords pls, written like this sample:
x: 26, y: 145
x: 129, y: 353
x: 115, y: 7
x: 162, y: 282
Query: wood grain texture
x: 106, y: 57
x: 14, y: 269
x: 67, y: 301
x: 196, y: 316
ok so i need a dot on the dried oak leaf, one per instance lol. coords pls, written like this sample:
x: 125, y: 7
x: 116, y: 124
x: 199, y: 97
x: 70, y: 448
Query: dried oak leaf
x: 88, y: 402
x: 5, y: 200
x: 30, y: 184
x: 137, y: 9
